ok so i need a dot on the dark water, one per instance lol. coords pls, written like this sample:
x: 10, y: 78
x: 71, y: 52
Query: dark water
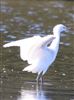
x: 24, y: 18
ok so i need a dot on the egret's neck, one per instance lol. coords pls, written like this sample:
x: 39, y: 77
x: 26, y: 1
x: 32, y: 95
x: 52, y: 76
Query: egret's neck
x: 55, y: 43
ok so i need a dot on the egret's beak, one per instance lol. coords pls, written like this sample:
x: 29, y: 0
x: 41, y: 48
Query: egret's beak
x: 67, y: 29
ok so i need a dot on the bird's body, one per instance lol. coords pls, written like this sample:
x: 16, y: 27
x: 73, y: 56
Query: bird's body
x: 37, y: 52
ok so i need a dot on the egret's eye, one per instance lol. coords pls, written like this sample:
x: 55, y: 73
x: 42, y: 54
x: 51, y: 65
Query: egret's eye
x: 64, y: 27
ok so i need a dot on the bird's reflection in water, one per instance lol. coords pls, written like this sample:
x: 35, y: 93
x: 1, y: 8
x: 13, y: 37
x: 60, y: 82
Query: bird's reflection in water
x: 32, y: 94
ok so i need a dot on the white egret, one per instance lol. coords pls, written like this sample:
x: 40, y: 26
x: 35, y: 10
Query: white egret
x: 37, y: 52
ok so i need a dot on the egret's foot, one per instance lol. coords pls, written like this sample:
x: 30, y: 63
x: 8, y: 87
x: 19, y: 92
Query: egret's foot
x: 41, y: 80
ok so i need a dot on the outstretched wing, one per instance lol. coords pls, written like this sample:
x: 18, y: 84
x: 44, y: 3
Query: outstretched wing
x: 38, y: 49
x: 25, y: 45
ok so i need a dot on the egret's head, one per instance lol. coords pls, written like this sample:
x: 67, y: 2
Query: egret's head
x: 59, y: 29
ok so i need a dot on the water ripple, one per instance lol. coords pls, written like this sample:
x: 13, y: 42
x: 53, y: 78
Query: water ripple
x: 5, y: 9
x: 35, y: 26
x: 3, y: 28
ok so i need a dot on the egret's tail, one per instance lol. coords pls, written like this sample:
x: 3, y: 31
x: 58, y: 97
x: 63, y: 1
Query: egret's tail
x: 31, y: 68
x: 15, y: 43
x: 28, y: 68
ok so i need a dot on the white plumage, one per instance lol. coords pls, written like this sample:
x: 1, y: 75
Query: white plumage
x: 37, y: 52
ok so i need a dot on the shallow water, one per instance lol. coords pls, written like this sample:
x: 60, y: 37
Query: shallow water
x: 24, y: 18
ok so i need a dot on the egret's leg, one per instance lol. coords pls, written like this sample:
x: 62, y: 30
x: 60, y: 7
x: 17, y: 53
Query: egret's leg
x: 41, y: 84
x: 37, y: 85
x: 39, y: 77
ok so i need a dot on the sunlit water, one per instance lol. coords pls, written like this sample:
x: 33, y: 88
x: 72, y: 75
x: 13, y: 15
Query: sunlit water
x: 24, y: 18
